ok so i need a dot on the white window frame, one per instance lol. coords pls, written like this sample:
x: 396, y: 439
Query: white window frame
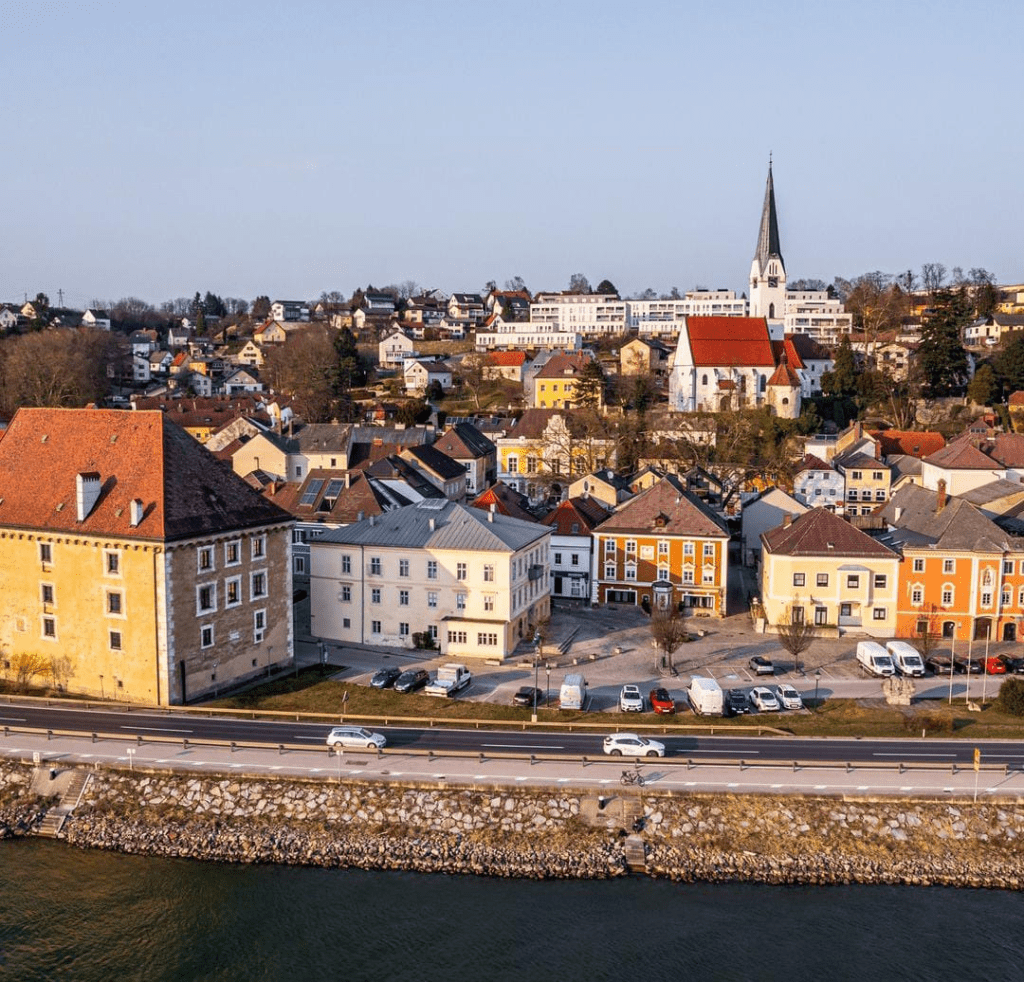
x: 233, y: 546
x: 207, y: 636
x: 212, y: 608
x: 258, y: 547
x: 205, y: 562
x: 253, y: 578
x: 114, y: 554
x: 259, y: 625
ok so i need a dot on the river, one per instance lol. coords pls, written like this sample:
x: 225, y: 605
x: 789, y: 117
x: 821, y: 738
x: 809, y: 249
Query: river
x: 92, y: 916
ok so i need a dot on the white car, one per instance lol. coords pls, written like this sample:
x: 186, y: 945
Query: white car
x: 763, y: 699
x: 356, y: 736
x: 632, y: 745
x: 630, y: 700
x: 789, y: 697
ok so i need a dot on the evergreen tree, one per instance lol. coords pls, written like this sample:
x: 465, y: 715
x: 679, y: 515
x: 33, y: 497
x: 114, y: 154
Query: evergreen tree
x: 983, y: 390
x: 590, y: 385
x: 841, y: 382
x: 941, y: 358
x: 1010, y: 363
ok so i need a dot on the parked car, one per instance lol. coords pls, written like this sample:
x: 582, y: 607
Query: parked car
x: 662, y: 702
x: 1014, y: 666
x: 632, y: 745
x: 972, y: 666
x: 940, y: 664
x: 411, y: 680
x: 788, y: 697
x: 630, y: 700
x: 528, y: 696
x: 356, y: 736
x: 763, y: 699
x: 385, y: 677
x: 736, y: 702
x: 994, y: 665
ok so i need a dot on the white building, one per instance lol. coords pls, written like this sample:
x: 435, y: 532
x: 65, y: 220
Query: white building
x: 394, y: 349
x: 815, y: 313
x: 585, y: 313
x: 525, y: 335
x: 475, y: 581
x: 665, y: 317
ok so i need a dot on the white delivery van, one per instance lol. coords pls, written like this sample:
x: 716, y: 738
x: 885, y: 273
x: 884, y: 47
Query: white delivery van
x: 573, y: 694
x: 905, y: 657
x: 705, y: 696
x: 874, y: 659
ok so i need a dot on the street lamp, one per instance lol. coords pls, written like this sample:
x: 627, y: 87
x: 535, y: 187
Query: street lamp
x: 817, y: 679
x: 547, y: 683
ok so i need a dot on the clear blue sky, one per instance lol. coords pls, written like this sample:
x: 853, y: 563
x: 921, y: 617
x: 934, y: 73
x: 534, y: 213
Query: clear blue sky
x: 288, y: 148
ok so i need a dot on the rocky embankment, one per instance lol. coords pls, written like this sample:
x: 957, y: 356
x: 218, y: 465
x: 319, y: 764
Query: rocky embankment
x: 537, y: 834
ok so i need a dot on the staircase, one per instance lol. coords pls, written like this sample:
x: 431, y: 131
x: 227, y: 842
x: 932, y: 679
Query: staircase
x: 635, y: 852
x: 53, y: 820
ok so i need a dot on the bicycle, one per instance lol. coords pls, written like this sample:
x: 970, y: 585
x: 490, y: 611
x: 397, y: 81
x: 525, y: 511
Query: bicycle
x: 632, y: 777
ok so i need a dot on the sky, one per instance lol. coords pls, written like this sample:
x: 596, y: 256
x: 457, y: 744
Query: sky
x: 153, y: 150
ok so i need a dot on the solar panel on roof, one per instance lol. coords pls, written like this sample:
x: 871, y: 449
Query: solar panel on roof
x: 312, y: 490
x: 334, y: 488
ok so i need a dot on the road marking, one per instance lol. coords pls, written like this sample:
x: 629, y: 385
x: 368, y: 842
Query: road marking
x: 11, y: 719
x: 731, y: 753
x: 522, y: 746
x: 154, y: 729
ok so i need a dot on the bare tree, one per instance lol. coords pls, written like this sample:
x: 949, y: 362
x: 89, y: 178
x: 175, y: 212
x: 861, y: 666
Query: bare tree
x: 61, y: 669
x: 668, y: 631
x: 26, y: 666
x: 796, y: 634
x: 927, y: 634
x: 933, y: 275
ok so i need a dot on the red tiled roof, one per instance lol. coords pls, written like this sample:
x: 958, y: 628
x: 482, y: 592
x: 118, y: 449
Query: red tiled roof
x: 726, y: 383
x: 1017, y: 398
x: 1008, y: 449
x: 812, y: 463
x: 914, y: 443
x: 577, y: 516
x: 560, y: 366
x: 784, y: 375
x: 731, y: 341
x: 507, y: 359
x: 506, y: 501
x: 667, y: 509
x: 819, y: 532
x: 184, y: 490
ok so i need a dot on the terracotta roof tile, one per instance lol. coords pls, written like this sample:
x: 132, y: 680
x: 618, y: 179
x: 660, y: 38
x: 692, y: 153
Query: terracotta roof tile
x: 819, y: 532
x: 507, y: 359
x: 577, y: 516
x: 913, y: 443
x: 666, y: 507
x: 732, y: 341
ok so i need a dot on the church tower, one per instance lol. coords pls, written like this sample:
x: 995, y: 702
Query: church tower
x: 768, y: 271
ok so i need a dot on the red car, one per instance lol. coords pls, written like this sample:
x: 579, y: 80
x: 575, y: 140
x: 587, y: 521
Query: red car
x: 994, y: 665
x: 662, y: 702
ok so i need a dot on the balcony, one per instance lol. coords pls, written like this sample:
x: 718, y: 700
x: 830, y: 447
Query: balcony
x: 535, y: 572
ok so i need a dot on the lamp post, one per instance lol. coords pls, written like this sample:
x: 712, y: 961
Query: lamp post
x: 817, y: 679
x: 984, y: 678
x: 103, y: 695
x: 547, y: 683
x: 536, y: 671
x: 216, y: 684
x: 952, y: 663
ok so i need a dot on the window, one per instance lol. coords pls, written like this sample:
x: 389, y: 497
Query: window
x: 609, y: 547
x: 346, y: 564
x: 947, y: 595
x: 631, y: 547
x: 796, y: 615
x: 487, y: 639
x: 865, y: 494
x: 403, y: 598
x: 662, y: 547
x: 45, y: 553
x: 205, y: 558
x: 856, y: 475
x: 257, y: 585
x: 233, y: 591
x: 460, y: 601
x: 403, y: 567
x: 1008, y: 567
x: 821, y: 579
x: 206, y: 636
x: 853, y: 581
x: 917, y: 596
x: 456, y: 637
x: 488, y: 573
x: 881, y: 580
x: 403, y: 629
x: 798, y: 579
x: 687, y: 548
x: 232, y: 553
x: 375, y: 595
x: 1007, y: 596
x: 876, y: 475
x: 688, y: 574
x: 851, y: 495
x: 878, y: 613
x: 46, y: 592
x: 558, y: 559
x: 918, y: 565
x: 346, y: 594
x: 460, y: 571
x: 575, y: 559
x: 50, y: 627
x: 879, y: 494
x: 206, y: 598
x: 375, y: 627
x: 259, y: 546
x: 300, y: 564
x: 115, y: 640
x: 948, y: 565
x: 114, y: 603
x: 346, y: 622
x: 709, y: 550
x: 375, y: 566
x: 821, y: 615
x: 432, y: 598
x: 531, y: 465
x: 112, y: 563
x: 846, y: 610
x: 609, y: 571
x: 513, y: 464
x: 431, y: 569
x: 488, y: 601
x: 630, y: 571
x: 986, y: 599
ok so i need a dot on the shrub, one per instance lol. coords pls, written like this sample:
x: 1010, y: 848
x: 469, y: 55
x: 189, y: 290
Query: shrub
x: 1011, y: 697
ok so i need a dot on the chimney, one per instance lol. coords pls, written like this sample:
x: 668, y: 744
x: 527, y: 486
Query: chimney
x: 940, y: 498
x: 373, y: 520
x: 348, y: 479
x: 490, y: 514
x: 87, y: 486
x: 494, y: 507
x: 360, y: 517
x: 136, y: 512
x: 432, y: 522
x: 897, y: 512
x: 787, y: 520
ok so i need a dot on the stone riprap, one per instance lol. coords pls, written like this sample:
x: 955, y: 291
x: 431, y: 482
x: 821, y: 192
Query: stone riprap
x: 536, y: 833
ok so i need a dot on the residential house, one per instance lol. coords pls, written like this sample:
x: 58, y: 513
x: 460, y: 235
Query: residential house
x: 466, y: 307
x: 510, y: 305
x: 572, y: 523
x: 496, y: 333
x: 9, y: 318
x: 819, y: 567
x: 558, y: 384
x: 270, y: 332
x: 99, y: 319
x: 369, y: 444
x: 763, y: 512
x: 959, y: 466
x: 818, y: 484
x: 160, y: 363
x: 394, y: 349
x: 662, y: 548
x: 913, y: 443
x: 240, y: 380
x: 476, y: 582
x: 127, y: 554
x: 505, y: 500
x: 439, y: 469
x: 251, y: 354
x: 604, y: 485
x: 644, y: 356
x: 474, y: 452
x: 421, y: 375
x: 289, y: 311
x: 505, y: 364
x: 589, y: 314
x: 867, y: 482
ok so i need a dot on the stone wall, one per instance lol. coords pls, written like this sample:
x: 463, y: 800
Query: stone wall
x: 543, y: 833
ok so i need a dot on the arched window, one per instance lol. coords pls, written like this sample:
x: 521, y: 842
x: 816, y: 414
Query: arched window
x: 771, y: 311
x: 704, y: 380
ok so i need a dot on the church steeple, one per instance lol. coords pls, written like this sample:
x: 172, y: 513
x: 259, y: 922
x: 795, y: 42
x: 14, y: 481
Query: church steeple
x: 768, y: 236
x: 768, y: 270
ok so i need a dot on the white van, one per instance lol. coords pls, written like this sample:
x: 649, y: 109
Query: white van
x: 573, y: 694
x: 705, y: 696
x: 906, y: 658
x: 874, y: 659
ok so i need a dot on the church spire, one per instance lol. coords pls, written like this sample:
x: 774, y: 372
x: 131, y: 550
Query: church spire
x: 768, y: 236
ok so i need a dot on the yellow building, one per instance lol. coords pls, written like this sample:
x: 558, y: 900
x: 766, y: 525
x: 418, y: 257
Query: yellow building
x: 562, y: 384
x: 133, y: 565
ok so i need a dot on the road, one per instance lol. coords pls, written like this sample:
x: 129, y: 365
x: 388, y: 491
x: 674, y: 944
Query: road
x: 149, y: 726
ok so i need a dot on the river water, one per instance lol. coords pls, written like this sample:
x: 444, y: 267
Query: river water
x: 91, y: 916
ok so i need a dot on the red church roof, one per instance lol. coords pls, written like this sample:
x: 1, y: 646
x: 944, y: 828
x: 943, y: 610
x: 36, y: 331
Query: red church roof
x: 730, y: 341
